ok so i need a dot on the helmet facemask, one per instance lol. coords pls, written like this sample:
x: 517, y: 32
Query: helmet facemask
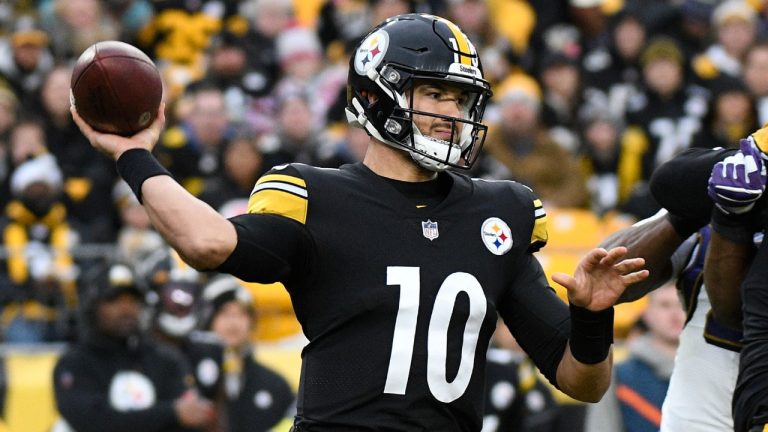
x: 395, y: 90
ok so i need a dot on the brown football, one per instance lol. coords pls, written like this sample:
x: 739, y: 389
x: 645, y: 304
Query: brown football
x: 116, y: 88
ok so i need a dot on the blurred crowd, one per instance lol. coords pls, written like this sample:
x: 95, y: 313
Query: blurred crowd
x: 590, y: 96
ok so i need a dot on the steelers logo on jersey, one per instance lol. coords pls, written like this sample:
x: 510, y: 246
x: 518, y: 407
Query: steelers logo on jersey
x: 496, y: 236
x: 131, y: 391
x: 371, y: 51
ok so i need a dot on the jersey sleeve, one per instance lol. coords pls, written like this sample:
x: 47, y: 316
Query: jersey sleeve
x: 273, y: 243
x: 539, y: 235
x: 680, y: 185
x: 537, y: 318
x: 281, y: 191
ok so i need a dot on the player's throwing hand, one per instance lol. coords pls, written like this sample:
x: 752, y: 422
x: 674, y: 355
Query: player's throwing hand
x: 115, y: 145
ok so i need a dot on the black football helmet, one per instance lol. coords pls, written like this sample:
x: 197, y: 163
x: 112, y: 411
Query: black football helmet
x: 386, y: 63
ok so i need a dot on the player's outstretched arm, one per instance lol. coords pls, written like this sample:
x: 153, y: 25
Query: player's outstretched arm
x: 655, y: 239
x: 202, y: 236
x: 600, y: 278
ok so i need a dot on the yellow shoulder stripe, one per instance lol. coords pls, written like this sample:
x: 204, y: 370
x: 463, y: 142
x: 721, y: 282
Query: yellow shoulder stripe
x: 539, y: 234
x: 280, y: 194
x: 282, y: 178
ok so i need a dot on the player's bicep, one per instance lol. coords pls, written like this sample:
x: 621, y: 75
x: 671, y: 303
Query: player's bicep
x: 537, y: 318
x: 270, y: 248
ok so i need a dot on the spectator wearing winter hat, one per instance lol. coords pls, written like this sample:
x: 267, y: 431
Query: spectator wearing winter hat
x: 304, y: 72
x: 662, y: 121
x: 519, y: 147
x: 257, y: 398
x: 735, y: 25
x: 37, y: 279
x: 25, y: 58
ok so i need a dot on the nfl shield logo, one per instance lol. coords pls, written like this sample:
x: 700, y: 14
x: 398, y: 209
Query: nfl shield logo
x: 429, y: 229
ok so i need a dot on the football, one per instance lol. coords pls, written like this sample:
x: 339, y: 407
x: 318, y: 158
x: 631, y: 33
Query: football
x: 116, y: 88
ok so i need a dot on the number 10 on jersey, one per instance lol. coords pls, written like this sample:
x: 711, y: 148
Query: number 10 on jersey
x: 408, y: 279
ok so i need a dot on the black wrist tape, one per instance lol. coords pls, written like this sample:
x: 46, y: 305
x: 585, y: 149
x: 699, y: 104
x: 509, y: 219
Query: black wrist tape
x: 734, y: 227
x: 137, y: 165
x: 591, y: 334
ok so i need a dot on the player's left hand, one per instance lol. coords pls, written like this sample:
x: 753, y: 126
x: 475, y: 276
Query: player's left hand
x: 601, y: 277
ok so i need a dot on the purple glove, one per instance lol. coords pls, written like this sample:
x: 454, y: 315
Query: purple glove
x: 738, y: 180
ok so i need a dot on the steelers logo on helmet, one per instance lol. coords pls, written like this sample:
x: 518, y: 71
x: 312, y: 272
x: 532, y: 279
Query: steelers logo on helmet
x: 496, y: 236
x: 371, y: 52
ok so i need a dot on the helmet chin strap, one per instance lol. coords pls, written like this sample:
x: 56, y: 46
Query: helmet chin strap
x: 439, y: 150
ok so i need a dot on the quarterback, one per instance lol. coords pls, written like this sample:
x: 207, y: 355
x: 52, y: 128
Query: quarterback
x: 397, y: 266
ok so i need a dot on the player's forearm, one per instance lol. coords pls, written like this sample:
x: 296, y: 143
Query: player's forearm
x: 654, y: 239
x: 202, y: 236
x: 725, y: 267
x: 584, y: 382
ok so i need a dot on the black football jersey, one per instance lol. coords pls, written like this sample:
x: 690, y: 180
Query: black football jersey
x: 399, y: 300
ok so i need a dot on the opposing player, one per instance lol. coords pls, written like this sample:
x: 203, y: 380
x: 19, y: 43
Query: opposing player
x: 397, y: 267
x: 708, y: 356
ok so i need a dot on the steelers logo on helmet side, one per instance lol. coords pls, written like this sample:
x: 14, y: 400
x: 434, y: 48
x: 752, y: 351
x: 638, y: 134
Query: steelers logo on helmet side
x: 371, y: 52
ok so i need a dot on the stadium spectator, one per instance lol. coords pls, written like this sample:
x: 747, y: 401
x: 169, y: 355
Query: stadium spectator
x: 756, y: 78
x: 174, y: 301
x: 130, y: 17
x: 561, y: 98
x: 296, y: 136
x: 599, y: 156
x: 192, y: 149
x: 25, y: 58
x: 115, y: 377
x: 74, y: 25
x: 633, y: 403
x: 612, y: 73
x: 8, y: 118
x: 257, y: 398
x: 39, y: 273
x: 516, y: 400
x: 341, y: 25
x: 179, y: 35
x: 731, y: 115
x: 519, y: 147
x: 242, y: 164
x: 661, y: 123
x: 88, y: 175
x: 735, y: 26
x: 330, y: 258
x: 305, y: 73
x: 137, y: 240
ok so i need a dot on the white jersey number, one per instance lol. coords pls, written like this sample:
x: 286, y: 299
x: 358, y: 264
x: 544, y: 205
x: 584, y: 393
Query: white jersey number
x: 407, y: 278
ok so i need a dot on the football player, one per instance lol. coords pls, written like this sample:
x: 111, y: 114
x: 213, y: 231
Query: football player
x: 397, y: 266
x: 707, y: 362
